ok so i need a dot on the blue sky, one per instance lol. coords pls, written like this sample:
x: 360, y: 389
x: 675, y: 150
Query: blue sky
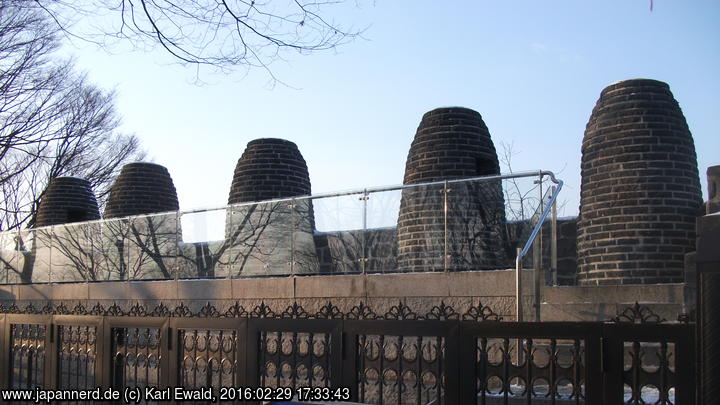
x: 533, y: 70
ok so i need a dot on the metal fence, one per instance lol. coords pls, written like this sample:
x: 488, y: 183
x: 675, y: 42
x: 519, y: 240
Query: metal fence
x: 397, y: 358
x: 454, y: 225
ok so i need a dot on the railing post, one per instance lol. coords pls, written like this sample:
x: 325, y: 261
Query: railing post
x: 363, y: 247
x: 553, y: 242
x: 518, y: 287
x: 445, y: 226
x: 293, y: 224
x: 708, y: 307
x: 538, y: 251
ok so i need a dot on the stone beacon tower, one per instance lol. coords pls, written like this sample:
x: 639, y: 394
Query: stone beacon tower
x: 66, y: 200
x: 271, y: 238
x: 640, y: 190
x: 151, y: 244
x: 269, y: 168
x: 451, y: 143
x: 141, y: 188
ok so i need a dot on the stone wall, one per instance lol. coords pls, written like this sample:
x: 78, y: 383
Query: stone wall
x: 402, y: 296
x: 640, y: 191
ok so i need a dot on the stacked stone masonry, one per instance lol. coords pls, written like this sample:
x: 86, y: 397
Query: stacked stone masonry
x: 268, y: 169
x: 451, y: 143
x: 640, y: 191
x: 275, y: 237
x: 141, y: 188
x: 66, y: 200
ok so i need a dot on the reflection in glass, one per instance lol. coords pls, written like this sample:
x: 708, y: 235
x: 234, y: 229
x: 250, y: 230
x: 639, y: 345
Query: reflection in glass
x: 152, y: 247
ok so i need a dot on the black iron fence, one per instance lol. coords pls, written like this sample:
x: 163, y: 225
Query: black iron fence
x: 375, y: 361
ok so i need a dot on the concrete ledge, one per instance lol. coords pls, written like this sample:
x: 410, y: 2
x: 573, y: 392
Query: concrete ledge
x: 328, y: 287
x: 109, y: 291
x: 493, y: 283
x: 260, y: 288
x: 411, y: 284
x: 602, y: 311
x: 34, y: 292
x: 70, y: 291
x: 424, y: 290
x: 615, y: 293
x: 8, y: 292
x: 158, y: 290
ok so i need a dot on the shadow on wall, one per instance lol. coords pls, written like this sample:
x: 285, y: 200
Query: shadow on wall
x: 6, y: 296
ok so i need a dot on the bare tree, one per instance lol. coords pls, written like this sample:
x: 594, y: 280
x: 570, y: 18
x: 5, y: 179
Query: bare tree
x: 52, y: 121
x: 218, y: 33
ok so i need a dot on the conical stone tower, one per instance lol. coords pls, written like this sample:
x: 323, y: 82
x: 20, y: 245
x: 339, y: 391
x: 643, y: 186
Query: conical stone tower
x: 67, y: 200
x: 640, y: 190
x: 150, y: 243
x: 141, y: 188
x: 451, y: 143
x: 57, y: 253
x: 271, y: 237
x: 269, y: 168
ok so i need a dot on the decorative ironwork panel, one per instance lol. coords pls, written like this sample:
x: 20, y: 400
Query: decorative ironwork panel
x: 401, y: 369
x: 27, y: 356
x: 207, y: 358
x: 549, y: 369
x: 649, y: 373
x: 295, y: 359
x: 76, y: 354
x: 136, y: 357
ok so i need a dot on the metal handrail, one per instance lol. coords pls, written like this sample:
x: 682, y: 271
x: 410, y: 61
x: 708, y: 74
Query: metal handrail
x: 531, y: 239
x: 328, y: 195
x: 365, y: 191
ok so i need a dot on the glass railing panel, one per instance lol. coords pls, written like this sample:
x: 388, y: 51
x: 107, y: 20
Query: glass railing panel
x: 202, y: 244
x: 260, y: 239
x: 421, y: 229
x: 305, y: 258
x: 77, y: 253
x: 8, y: 257
x: 339, y: 233
x: 112, y: 243
x: 34, y: 256
x: 152, y: 246
x: 476, y: 226
x: 381, y: 237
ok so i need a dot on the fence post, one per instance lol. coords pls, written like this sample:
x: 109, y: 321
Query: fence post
x: 708, y: 304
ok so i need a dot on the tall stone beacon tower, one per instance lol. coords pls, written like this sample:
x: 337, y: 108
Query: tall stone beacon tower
x: 67, y: 200
x: 451, y: 143
x: 271, y: 237
x: 640, y: 190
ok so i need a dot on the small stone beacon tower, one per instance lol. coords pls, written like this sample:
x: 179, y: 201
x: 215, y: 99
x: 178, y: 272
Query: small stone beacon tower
x: 271, y: 238
x: 451, y: 143
x: 141, y: 188
x: 66, y: 200
x: 640, y: 190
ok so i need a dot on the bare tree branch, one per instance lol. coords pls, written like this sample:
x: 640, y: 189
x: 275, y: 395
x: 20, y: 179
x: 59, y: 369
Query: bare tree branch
x: 222, y: 34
